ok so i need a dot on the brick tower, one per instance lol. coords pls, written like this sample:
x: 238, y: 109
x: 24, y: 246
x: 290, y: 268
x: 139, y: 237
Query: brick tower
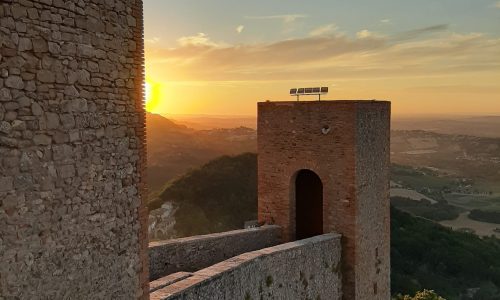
x: 324, y: 167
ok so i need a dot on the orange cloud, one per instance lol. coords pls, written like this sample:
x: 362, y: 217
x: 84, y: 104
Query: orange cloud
x: 419, y: 68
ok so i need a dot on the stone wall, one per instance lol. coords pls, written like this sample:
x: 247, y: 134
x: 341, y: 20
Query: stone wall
x: 373, y: 249
x: 72, y: 150
x: 346, y: 143
x: 306, y: 269
x: 198, y: 252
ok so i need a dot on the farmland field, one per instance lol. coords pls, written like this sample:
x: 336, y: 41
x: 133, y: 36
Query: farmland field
x: 480, y: 228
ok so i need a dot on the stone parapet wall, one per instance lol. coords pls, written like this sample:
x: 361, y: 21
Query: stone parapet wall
x: 73, y: 224
x: 195, y: 253
x: 305, y: 269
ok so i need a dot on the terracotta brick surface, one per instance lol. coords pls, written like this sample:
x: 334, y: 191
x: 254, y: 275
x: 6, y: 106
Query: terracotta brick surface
x: 352, y: 160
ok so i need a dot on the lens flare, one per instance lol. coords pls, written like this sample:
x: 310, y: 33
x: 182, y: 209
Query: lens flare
x: 147, y: 91
x: 152, y: 95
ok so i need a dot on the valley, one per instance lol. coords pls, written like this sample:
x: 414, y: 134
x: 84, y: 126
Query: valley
x: 437, y: 176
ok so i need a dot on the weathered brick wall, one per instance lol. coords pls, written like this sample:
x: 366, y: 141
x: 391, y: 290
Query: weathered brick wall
x: 195, y: 253
x: 351, y: 158
x: 72, y: 220
x: 307, y: 269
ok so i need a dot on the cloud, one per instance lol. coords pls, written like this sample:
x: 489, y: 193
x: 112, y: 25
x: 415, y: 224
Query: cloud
x: 153, y: 40
x: 363, y: 34
x: 386, y: 21
x: 497, y: 5
x: 201, y: 39
x: 284, y: 18
x: 419, y: 32
x: 240, y: 29
x: 367, y: 34
x: 324, y: 30
x: 417, y: 53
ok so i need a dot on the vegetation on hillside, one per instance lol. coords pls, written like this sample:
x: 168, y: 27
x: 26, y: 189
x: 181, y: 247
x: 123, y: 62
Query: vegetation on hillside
x: 423, y: 295
x: 437, y: 212
x: 485, y: 216
x: 220, y: 196
x: 223, y: 194
x: 427, y: 255
x: 174, y: 149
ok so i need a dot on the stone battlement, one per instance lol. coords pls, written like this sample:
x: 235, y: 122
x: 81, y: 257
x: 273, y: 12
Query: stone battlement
x: 197, y: 252
x: 305, y: 269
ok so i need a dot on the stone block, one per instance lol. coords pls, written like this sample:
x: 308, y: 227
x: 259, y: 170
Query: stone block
x: 5, y: 95
x: 19, y: 11
x: 36, y: 109
x: 42, y: 139
x: 46, y: 76
x: 68, y: 121
x: 40, y: 45
x: 67, y: 171
x: 6, y: 184
x: 52, y: 120
x: 18, y: 125
x: 5, y: 127
x: 15, y: 82
x: 25, y: 44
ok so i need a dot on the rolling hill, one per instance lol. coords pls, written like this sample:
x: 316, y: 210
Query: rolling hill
x: 221, y: 195
x: 173, y: 148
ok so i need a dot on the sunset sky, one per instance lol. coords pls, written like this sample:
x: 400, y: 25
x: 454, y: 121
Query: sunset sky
x: 220, y: 57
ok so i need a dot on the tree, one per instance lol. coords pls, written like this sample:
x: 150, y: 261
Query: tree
x: 422, y: 295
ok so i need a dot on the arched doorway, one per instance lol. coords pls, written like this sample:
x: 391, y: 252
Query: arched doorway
x: 308, y: 205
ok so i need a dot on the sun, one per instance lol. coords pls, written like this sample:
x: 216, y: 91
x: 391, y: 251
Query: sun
x: 147, y: 92
x: 151, y: 95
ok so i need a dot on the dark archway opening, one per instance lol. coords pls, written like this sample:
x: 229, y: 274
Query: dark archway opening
x: 308, y: 205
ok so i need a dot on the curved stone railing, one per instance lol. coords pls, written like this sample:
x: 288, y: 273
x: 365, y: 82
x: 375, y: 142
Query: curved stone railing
x: 195, y: 253
x: 305, y: 269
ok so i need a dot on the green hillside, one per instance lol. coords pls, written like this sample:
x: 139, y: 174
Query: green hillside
x: 222, y: 194
x: 217, y: 197
x: 427, y: 255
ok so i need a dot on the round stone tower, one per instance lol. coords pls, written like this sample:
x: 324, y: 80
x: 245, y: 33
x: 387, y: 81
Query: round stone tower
x: 73, y: 222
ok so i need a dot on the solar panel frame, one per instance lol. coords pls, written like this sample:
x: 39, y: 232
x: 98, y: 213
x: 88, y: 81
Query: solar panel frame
x: 309, y: 91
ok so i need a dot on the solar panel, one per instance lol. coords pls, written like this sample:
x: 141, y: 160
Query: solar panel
x: 309, y: 91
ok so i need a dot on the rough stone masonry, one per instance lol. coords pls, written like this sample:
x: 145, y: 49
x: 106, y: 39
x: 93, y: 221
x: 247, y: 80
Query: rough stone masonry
x: 72, y: 150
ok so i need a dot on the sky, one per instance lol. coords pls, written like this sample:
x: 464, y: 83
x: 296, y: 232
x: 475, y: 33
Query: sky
x: 220, y: 57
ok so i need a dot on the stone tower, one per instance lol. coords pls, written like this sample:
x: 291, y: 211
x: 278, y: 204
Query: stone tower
x: 73, y: 222
x: 324, y: 167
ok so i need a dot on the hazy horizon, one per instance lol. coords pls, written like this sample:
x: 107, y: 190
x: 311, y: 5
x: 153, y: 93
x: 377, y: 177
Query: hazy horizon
x: 395, y: 116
